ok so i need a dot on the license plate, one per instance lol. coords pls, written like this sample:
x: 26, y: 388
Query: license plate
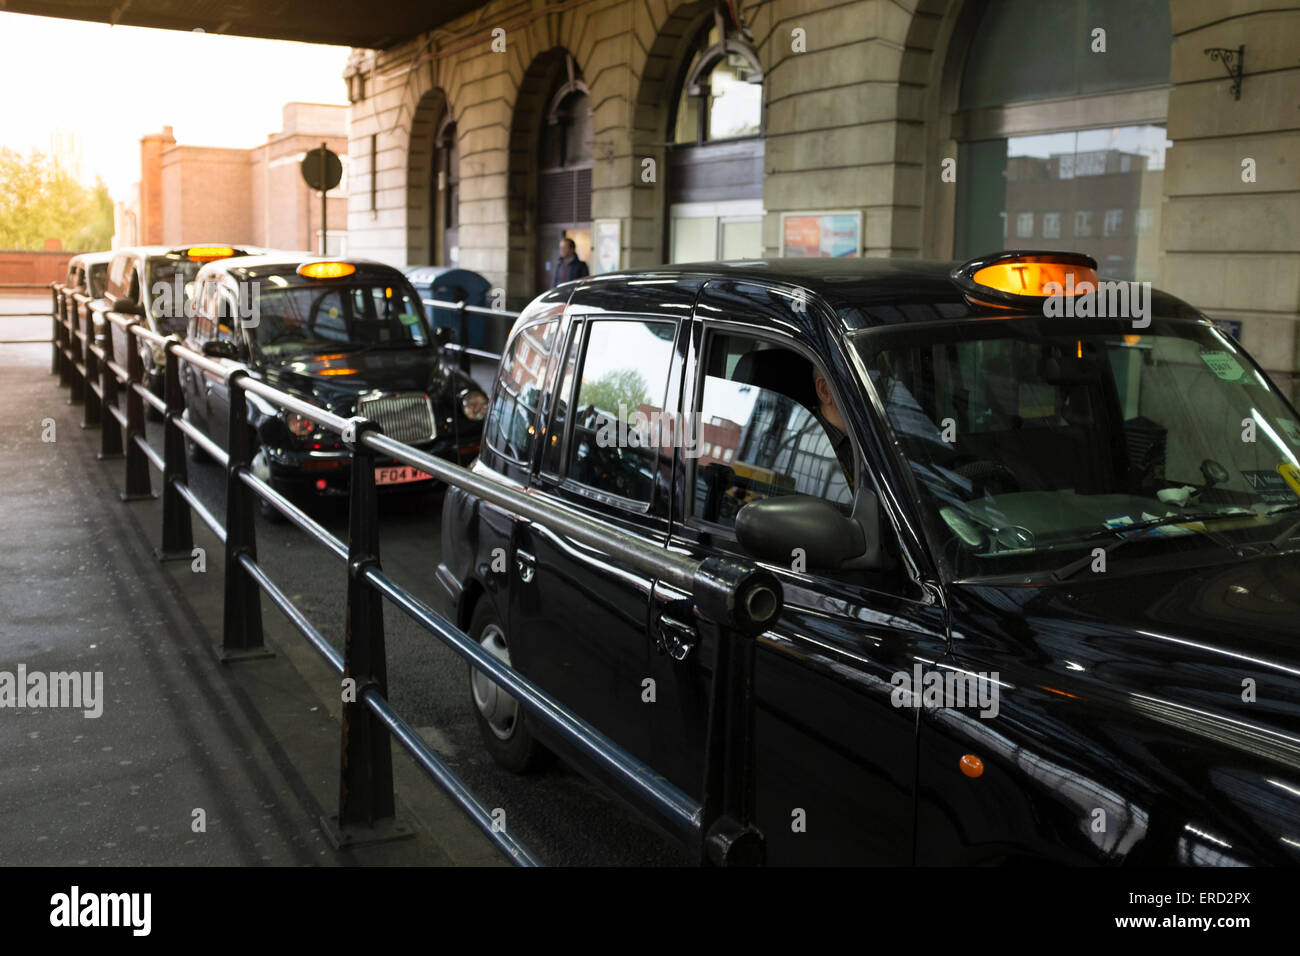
x: 399, y: 475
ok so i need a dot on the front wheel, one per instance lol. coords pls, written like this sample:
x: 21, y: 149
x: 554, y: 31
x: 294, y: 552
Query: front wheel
x: 502, y: 723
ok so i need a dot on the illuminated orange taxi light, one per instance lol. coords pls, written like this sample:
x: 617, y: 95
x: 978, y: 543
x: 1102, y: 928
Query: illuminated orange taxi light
x: 209, y: 253
x: 1031, y: 277
x: 326, y: 270
x: 337, y: 371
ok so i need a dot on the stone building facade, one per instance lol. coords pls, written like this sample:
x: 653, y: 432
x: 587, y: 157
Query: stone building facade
x: 934, y: 128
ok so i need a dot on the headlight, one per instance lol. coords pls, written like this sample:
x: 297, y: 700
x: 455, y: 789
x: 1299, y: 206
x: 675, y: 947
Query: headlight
x: 299, y: 426
x: 474, y: 404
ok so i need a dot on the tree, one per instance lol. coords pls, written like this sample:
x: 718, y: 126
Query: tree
x: 620, y: 386
x: 40, y: 201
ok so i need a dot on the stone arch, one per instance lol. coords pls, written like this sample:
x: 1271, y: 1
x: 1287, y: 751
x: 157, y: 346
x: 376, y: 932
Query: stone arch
x: 421, y: 155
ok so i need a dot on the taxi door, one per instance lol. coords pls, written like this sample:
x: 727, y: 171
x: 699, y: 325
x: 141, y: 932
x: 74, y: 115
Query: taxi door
x: 579, y: 618
x: 835, y: 758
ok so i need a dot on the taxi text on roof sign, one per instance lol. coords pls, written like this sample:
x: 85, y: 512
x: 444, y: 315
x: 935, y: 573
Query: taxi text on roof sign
x: 326, y: 270
x: 1063, y: 284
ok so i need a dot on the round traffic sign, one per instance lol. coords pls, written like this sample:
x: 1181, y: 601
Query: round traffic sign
x: 322, y: 168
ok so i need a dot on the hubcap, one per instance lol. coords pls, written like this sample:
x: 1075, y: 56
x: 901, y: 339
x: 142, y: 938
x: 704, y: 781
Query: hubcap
x: 497, y: 707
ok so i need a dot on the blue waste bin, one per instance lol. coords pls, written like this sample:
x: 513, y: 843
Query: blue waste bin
x: 449, y: 284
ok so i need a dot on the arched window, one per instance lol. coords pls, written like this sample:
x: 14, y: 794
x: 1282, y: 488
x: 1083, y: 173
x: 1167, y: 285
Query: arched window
x: 715, y: 165
x: 1061, y: 131
x: 445, y: 210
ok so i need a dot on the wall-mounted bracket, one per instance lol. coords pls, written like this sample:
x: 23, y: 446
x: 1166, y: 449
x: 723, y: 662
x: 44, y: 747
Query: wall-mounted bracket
x: 1231, y: 60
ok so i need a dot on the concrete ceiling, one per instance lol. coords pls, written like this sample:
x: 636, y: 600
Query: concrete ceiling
x: 375, y: 25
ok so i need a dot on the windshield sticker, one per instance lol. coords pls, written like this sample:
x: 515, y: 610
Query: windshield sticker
x: 1269, y: 485
x: 1290, y: 473
x: 1223, y: 365
x: 407, y: 318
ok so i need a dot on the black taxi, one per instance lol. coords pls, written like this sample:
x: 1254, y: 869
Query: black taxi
x: 351, y: 336
x: 1038, y: 533
x: 88, y: 275
x: 153, y: 284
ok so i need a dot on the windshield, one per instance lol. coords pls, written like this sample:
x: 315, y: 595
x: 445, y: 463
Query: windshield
x: 1034, y: 440
x: 98, y: 279
x: 338, y: 316
x: 171, y: 283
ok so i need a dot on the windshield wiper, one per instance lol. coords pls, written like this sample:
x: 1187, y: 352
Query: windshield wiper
x: 1289, y: 531
x: 1142, y: 529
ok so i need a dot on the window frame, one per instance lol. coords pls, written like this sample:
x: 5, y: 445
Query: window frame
x: 489, y: 435
x: 708, y: 329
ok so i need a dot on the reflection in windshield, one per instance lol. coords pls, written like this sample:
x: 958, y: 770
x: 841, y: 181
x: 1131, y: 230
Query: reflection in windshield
x: 1031, y: 438
x: 311, y: 318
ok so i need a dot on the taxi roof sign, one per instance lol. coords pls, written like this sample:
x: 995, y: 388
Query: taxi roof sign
x: 209, y: 253
x: 1017, y: 277
x: 326, y: 270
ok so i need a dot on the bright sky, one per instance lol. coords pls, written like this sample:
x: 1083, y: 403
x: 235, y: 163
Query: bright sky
x: 112, y: 85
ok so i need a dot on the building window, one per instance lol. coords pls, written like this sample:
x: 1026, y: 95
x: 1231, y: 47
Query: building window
x: 1082, y: 223
x: 1024, y: 225
x: 722, y: 95
x: 1113, y: 223
x: 1051, y: 225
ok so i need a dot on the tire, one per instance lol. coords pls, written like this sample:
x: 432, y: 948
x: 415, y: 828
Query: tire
x: 502, y: 724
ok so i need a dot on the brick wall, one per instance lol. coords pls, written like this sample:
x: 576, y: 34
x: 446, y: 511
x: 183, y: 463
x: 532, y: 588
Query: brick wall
x: 35, y: 269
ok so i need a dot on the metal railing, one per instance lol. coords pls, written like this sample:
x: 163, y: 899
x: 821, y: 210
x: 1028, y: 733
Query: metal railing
x: 463, y: 312
x: 734, y: 600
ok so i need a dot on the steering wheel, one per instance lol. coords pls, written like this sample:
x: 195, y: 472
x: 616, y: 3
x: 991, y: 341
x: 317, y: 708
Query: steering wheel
x: 987, y: 475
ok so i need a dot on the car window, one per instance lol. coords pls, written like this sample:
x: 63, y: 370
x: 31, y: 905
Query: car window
x: 760, y: 432
x: 519, y: 389
x: 618, y: 412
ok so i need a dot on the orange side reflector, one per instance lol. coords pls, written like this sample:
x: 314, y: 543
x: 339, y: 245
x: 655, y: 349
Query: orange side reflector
x: 971, y: 765
x: 209, y: 253
x: 337, y: 371
x: 1029, y: 277
x: 326, y: 270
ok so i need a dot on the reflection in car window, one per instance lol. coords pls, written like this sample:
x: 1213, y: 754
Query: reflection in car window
x: 518, y: 390
x: 759, y: 434
x: 618, y: 418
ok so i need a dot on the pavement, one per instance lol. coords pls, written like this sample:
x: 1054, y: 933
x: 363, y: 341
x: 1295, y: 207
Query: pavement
x: 189, y: 761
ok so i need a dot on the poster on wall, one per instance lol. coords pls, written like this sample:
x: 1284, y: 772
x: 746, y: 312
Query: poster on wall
x: 608, y: 240
x: 821, y: 235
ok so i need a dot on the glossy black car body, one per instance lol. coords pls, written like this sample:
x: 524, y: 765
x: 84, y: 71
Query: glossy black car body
x: 88, y: 275
x: 312, y: 461
x: 1151, y: 716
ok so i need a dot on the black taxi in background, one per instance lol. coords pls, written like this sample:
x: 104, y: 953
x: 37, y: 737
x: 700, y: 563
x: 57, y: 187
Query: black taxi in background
x: 88, y: 275
x: 1038, y: 536
x: 153, y: 283
x: 351, y: 336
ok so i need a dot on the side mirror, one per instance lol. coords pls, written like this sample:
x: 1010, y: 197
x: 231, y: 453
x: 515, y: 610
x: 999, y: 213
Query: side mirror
x: 127, y: 307
x: 773, y: 528
x: 220, y: 349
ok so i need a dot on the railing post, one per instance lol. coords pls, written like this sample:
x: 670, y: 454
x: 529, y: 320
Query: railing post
x: 61, y: 338
x: 736, y: 602
x: 241, y: 623
x: 463, y: 317
x: 78, y: 381
x: 138, y: 484
x: 366, y: 805
x: 91, y: 410
x: 177, y: 530
x: 54, y: 317
x: 110, y: 429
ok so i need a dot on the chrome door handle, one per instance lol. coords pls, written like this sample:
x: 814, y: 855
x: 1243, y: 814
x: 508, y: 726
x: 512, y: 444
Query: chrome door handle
x: 675, y: 638
x: 526, y: 564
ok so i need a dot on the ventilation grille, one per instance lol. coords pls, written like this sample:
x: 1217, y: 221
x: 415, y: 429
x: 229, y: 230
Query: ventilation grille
x: 407, y: 417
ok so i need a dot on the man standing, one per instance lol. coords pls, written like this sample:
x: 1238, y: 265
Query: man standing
x: 569, y: 266
x: 829, y: 417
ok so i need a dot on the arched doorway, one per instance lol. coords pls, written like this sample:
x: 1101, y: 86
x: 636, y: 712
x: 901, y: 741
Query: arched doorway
x: 432, y: 177
x: 1060, y: 144
x: 550, y: 171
